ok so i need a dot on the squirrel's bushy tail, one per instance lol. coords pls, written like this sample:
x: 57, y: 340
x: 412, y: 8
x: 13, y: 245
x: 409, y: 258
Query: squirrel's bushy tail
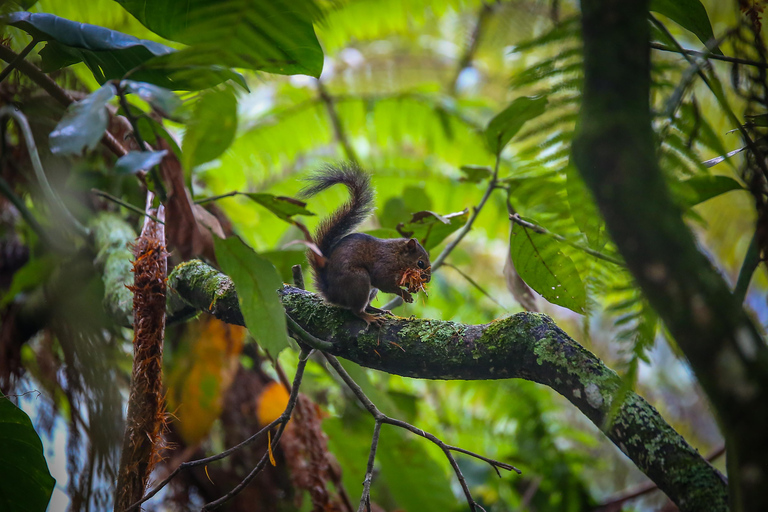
x: 351, y: 213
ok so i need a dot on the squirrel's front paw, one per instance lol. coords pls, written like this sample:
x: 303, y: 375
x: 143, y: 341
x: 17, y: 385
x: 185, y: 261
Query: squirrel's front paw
x: 407, y: 297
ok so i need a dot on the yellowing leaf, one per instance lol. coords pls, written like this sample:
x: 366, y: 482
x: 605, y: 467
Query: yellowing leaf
x: 272, y: 402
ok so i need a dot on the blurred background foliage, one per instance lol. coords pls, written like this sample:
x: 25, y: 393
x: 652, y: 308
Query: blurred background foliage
x: 406, y: 89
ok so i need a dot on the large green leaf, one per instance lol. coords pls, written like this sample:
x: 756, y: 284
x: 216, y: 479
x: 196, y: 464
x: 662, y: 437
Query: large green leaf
x: 701, y: 188
x: 83, y: 124
x: 544, y: 268
x: 689, y: 14
x: 430, y: 228
x: 276, y: 36
x: 25, y: 482
x: 111, y: 55
x: 509, y: 121
x: 211, y: 129
x: 583, y: 209
x: 256, y: 282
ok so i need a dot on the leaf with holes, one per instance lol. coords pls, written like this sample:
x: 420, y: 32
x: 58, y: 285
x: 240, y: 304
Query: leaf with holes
x: 541, y: 264
x: 83, y: 124
x: 257, y: 283
x: 508, y: 122
x: 25, y: 482
x: 136, y: 161
x: 689, y: 14
x: 283, y: 207
x: 211, y: 129
x: 430, y: 228
x: 275, y: 36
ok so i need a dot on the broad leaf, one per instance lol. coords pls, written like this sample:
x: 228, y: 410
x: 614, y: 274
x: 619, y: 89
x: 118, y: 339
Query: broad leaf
x: 548, y: 271
x: 509, y: 121
x: 256, y: 282
x: 276, y: 36
x: 136, y: 161
x: 475, y: 173
x: 83, y: 124
x: 701, y: 188
x: 31, y: 275
x: 160, y: 98
x: 689, y: 14
x: 25, y: 482
x: 283, y: 207
x: 211, y: 129
x: 111, y: 55
x: 430, y: 229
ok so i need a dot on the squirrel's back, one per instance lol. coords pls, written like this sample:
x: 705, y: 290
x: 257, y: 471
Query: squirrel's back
x: 351, y: 214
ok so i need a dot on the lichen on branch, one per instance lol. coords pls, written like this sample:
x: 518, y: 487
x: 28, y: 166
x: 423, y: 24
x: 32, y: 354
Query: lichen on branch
x: 525, y: 345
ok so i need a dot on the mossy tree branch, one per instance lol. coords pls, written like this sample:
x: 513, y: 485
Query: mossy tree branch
x: 615, y: 152
x: 526, y: 345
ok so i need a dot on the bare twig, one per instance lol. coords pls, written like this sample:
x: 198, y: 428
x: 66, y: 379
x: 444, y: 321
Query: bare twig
x: 282, y: 420
x: 538, y: 229
x: 474, y: 283
x: 338, y: 129
x: 381, y: 418
x: 468, y: 56
x: 298, y: 277
x: 20, y: 57
x: 59, y: 94
x: 122, y: 203
x: 709, y: 55
x: 365, y: 499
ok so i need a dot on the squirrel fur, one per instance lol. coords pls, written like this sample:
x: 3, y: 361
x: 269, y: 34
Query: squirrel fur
x: 355, y: 266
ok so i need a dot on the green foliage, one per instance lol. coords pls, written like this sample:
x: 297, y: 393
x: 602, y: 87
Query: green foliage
x: 28, y: 277
x: 689, y: 14
x: 25, y: 482
x: 256, y: 282
x: 83, y: 124
x: 509, y: 121
x: 430, y: 229
x: 211, y: 128
x: 271, y: 36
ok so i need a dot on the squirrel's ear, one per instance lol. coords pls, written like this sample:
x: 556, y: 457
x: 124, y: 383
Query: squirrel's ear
x: 412, y: 243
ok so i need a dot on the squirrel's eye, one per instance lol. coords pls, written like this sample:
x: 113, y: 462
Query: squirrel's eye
x: 420, y: 264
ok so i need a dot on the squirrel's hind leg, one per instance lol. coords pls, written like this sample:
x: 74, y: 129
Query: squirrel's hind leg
x: 371, y: 309
x: 354, y: 293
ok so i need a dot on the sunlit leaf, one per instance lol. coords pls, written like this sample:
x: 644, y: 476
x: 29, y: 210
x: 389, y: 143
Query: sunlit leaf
x: 701, y: 188
x: 256, y: 282
x: 83, y: 124
x: 136, y: 161
x: 689, y: 14
x: 509, y: 121
x: 211, y: 129
x: 276, y: 36
x: 541, y: 264
x: 430, y: 229
x: 25, y: 482
x: 283, y: 207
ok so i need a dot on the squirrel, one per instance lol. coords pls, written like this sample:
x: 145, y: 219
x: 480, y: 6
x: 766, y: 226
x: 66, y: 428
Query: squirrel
x: 354, y: 267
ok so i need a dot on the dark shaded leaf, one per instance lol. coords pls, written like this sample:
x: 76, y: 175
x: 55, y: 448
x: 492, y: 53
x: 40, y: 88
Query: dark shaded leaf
x: 283, y: 207
x: 509, y: 121
x: 136, y: 161
x: 25, y: 482
x: 31, y: 275
x: 211, y: 129
x: 256, y: 282
x: 430, y: 229
x: 701, y: 188
x: 111, y: 55
x: 160, y: 98
x: 546, y: 269
x: 689, y: 14
x: 475, y: 173
x: 276, y: 36
x: 83, y: 124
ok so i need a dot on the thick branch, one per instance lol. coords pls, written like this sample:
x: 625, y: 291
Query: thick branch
x: 526, y: 345
x: 616, y: 154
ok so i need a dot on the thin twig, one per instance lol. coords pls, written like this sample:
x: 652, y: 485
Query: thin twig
x: 709, y: 55
x: 298, y: 277
x: 474, y: 283
x: 57, y: 93
x: 338, y: 129
x: 20, y: 57
x: 492, y: 184
x: 122, y: 203
x: 54, y: 200
x: 282, y: 420
x: 221, y: 196
x: 381, y: 418
x: 365, y: 498
x: 474, y: 42
x: 560, y: 238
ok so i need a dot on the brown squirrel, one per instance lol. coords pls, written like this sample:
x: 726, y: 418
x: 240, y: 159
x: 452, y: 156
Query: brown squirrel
x: 354, y: 267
